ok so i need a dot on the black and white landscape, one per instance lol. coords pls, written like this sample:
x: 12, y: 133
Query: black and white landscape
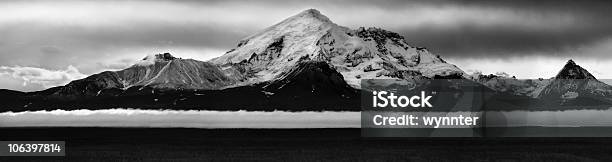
x: 282, y: 80
x: 303, y: 63
x: 303, y: 72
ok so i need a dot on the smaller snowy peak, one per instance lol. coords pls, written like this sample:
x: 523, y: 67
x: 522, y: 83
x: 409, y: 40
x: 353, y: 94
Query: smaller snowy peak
x: 151, y: 59
x: 571, y: 70
x: 160, y: 57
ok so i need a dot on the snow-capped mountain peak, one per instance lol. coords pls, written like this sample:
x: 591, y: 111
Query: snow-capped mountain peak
x: 364, y: 53
x: 300, y: 32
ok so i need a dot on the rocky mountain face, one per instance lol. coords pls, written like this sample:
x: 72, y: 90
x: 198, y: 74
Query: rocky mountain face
x: 571, y: 78
x: 575, y: 84
x: 314, y: 79
x: 573, y: 71
x: 160, y: 71
x: 572, y: 86
x: 167, y: 72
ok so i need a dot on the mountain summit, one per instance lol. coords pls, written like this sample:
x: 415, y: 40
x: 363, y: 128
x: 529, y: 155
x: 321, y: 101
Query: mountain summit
x: 152, y: 59
x: 573, y: 71
x: 295, y: 35
x: 309, y: 14
x: 160, y: 57
x: 574, y: 83
x: 364, y: 53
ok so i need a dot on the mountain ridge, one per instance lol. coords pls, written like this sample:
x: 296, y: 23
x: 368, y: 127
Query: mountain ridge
x: 160, y: 71
x: 305, y: 62
x: 572, y: 82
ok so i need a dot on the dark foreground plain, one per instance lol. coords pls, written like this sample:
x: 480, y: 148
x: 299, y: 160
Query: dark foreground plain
x: 159, y: 144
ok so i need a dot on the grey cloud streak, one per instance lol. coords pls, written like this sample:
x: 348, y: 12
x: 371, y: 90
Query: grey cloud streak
x: 545, y: 28
x: 55, y: 46
x: 451, y: 28
x: 507, y: 41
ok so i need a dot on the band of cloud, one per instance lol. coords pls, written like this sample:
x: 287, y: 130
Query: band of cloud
x: 39, y: 76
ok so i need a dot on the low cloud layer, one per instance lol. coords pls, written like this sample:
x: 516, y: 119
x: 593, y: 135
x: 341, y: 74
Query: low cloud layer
x: 180, y: 119
x: 273, y: 120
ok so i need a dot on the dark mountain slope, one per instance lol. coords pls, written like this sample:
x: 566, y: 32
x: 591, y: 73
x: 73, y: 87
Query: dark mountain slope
x: 575, y: 86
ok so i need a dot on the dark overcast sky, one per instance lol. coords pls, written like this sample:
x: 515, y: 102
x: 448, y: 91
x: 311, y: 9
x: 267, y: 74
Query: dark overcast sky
x: 47, y: 43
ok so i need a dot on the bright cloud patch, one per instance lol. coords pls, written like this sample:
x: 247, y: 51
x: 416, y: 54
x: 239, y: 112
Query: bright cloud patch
x: 46, y: 78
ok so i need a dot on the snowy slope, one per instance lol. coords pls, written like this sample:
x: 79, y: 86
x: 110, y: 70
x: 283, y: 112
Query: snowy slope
x: 272, y: 50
